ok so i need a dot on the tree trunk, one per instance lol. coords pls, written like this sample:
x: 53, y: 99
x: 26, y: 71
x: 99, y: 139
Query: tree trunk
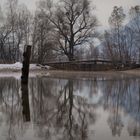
x: 70, y: 57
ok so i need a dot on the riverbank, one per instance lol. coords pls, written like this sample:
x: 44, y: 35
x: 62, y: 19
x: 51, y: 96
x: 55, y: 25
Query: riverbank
x: 15, y: 71
x: 133, y: 71
x: 91, y: 74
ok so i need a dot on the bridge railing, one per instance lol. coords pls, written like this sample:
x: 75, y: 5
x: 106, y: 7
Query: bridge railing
x: 98, y: 61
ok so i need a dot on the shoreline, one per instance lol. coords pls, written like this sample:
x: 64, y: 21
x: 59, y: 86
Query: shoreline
x: 70, y: 74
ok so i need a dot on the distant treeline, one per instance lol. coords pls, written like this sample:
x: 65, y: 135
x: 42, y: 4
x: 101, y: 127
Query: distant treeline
x: 67, y: 30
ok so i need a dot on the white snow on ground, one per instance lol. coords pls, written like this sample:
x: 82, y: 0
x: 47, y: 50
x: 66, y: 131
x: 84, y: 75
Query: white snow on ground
x: 14, y: 70
x: 18, y: 66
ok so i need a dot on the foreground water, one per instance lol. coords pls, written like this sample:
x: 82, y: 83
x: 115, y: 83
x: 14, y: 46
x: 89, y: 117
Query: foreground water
x: 99, y: 108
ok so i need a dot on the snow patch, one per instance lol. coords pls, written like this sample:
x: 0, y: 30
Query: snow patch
x: 18, y: 66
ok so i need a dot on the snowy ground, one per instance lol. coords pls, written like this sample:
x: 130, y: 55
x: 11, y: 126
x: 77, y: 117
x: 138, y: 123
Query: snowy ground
x: 18, y: 66
x: 14, y: 70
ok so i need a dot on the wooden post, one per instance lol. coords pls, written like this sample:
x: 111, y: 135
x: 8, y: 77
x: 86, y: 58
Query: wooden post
x: 24, y: 84
x: 25, y: 68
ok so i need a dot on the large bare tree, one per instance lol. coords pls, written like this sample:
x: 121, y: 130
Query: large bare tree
x: 74, y: 24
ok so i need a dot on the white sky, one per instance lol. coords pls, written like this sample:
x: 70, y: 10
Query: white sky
x: 103, y: 7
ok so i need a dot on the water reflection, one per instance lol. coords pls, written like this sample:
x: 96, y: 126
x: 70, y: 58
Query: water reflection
x: 123, y: 95
x: 59, y: 111
x: 9, y: 107
x: 25, y: 102
x: 69, y: 109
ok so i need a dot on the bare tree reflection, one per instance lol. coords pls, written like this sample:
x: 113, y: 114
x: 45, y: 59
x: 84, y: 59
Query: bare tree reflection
x: 63, y: 114
x: 114, y: 120
x: 134, y: 126
x: 66, y: 108
x: 10, y: 105
x: 121, y: 94
x: 75, y: 127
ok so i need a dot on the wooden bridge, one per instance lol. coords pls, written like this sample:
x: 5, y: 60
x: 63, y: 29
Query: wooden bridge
x: 92, y: 65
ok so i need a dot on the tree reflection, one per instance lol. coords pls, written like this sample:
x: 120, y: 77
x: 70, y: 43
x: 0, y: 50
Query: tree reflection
x: 75, y: 127
x: 118, y: 95
x: 10, y: 105
x: 66, y: 108
x: 134, y: 126
x: 114, y: 120
x: 14, y: 107
x: 64, y: 114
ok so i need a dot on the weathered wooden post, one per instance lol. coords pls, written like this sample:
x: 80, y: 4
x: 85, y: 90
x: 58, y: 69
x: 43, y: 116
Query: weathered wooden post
x: 26, y: 62
x: 24, y: 84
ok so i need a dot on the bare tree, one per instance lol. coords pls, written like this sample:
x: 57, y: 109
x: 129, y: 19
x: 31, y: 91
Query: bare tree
x: 17, y: 20
x: 108, y: 48
x: 135, y: 26
x: 93, y: 52
x: 1, y: 15
x: 41, y: 37
x: 135, y: 17
x: 116, y: 20
x: 22, y: 31
x: 74, y: 24
x: 4, y: 53
x: 11, y: 22
x: 4, y: 33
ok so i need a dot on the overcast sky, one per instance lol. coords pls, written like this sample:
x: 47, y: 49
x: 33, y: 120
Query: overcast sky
x: 103, y: 7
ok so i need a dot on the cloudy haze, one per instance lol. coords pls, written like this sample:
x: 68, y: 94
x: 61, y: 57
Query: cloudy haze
x: 103, y: 7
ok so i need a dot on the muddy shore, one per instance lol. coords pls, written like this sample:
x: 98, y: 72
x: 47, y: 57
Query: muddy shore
x: 72, y: 74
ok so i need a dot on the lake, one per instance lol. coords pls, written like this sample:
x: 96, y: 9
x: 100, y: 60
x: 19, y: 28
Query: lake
x: 70, y: 108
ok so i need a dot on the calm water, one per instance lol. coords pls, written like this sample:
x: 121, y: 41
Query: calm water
x: 100, y: 108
